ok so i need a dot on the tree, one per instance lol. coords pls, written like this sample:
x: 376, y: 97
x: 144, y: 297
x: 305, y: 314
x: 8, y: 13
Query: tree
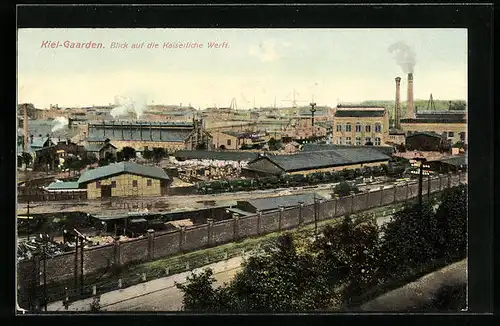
x: 274, y: 144
x: 451, y: 217
x: 278, y: 279
x: 147, y: 154
x: 159, y: 154
x: 95, y: 306
x: 199, y: 293
x: 92, y: 159
x: 26, y: 158
x: 408, y: 240
x: 344, y: 189
x: 110, y: 157
x: 128, y: 153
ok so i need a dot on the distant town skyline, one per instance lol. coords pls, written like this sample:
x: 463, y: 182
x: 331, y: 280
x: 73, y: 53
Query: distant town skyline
x: 258, y: 67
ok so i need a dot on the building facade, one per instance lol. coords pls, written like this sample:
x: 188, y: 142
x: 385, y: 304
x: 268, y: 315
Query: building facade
x: 452, y: 125
x: 142, y: 135
x: 124, y: 179
x: 358, y: 125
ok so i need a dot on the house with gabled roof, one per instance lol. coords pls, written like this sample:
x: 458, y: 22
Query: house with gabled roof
x: 124, y: 179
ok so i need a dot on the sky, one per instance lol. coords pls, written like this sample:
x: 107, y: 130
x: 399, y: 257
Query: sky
x: 261, y: 66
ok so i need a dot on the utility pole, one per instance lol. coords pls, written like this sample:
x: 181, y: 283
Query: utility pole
x: 75, y: 270
x: 313, y: 109
x: 420, y: 178
x: 81, y: 265
x: 44, y: 246
x: 315, y: 217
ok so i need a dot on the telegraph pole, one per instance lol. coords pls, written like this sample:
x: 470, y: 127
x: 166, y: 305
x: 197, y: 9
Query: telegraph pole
x: 44, y: 275
x: 81, y: 265
x: 313, y: 109
x: 315, y: 217
x: 420, y: 178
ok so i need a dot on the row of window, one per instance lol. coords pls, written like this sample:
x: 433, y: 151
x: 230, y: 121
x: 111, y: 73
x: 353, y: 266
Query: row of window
x: 348, y: 141
x: 368, y: 128
x: 149, y: 183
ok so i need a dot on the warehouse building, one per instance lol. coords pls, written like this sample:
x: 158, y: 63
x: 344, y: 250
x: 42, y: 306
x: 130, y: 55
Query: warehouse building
x: 450, y: 124
x: 142, y: 135
x: 318, y: 161
x: 274, y: 203
x: 124, y: 179
x: 426, y: 141
x: 386, y: 150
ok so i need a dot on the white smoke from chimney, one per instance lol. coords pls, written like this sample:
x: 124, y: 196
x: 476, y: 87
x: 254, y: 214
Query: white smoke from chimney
x: 61, y: 122
x: 405, y: 57
x: 127, y: 105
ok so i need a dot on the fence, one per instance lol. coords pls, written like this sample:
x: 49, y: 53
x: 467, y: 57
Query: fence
x: 186, y: 239
x: 52, y: 196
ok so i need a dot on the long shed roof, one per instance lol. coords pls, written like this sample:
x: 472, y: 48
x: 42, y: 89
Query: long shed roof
x: 324, y: 159
x: 123, y: 167
x: 270, y: 203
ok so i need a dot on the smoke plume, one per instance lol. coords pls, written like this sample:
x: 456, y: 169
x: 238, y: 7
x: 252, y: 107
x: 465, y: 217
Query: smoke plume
x: 61, y: 122
x: 405, y: 57
x: 128, y: 105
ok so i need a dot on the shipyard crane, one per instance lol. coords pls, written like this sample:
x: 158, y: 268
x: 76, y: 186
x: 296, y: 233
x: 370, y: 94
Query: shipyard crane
x: 294, y: 100
x: 233, y: 105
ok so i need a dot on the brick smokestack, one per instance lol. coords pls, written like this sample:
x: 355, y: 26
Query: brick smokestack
x: 397, y: 110
x: 411, y: 109
x: 25, y: 128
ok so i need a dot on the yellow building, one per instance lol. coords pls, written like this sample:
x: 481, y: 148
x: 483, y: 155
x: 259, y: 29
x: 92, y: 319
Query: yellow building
x: 359, y: 125
x: 450, y: 124
x: 124, y: 179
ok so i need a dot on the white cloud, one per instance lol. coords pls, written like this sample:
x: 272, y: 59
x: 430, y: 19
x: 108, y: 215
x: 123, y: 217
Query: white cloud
x: 266, y: 51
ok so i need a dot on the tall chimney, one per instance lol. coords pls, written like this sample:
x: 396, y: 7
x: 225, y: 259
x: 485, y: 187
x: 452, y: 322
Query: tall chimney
x: 25, y: 128
x: 397, y: 105
x: 411, y: 109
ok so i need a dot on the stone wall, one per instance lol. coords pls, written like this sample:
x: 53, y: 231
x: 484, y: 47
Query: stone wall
x: 153, y: 246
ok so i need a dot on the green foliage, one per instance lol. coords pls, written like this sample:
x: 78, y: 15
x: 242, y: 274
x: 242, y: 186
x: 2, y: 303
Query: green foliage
x: 95, y: 306
x: 158, y: 154
x: 92, y: 159
x: 147, y: 154
x: 126, y: 154
x: 199, y: 293
x: 344, y: 189
x: 452, y: 222
x: 26, y: 158
x: 353, y: 257
x: 274, y: 144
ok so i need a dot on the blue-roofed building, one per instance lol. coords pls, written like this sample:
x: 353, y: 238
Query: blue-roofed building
x: 142, y: 135
x: 124, y: 179
x: 62, y: 186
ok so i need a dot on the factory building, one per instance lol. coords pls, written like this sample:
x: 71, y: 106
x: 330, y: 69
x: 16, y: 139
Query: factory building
x: 319, y: 161
x: 124, y: 179
x: 142, y: 135
x: 360, y: 125
x: 452, y: 125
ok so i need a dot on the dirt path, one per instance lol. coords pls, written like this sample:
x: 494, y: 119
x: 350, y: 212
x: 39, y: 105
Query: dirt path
x: 421, y: 291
